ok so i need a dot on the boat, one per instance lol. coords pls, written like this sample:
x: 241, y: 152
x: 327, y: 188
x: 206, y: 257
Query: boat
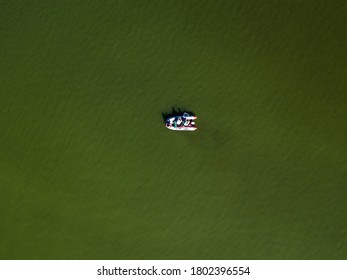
x: 185, y: 122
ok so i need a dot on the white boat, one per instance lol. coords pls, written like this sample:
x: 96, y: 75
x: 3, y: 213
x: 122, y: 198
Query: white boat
x: 181, y: 123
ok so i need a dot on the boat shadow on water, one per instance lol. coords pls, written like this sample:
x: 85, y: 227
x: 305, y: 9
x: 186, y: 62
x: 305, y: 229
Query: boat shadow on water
x: 175, y: 112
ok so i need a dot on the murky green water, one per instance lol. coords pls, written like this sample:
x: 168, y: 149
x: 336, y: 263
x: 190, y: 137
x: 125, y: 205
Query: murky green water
x: 89, y: 171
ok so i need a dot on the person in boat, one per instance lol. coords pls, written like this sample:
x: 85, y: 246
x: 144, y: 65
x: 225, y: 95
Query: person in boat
x: 179, y: 121
x: 186, y: 122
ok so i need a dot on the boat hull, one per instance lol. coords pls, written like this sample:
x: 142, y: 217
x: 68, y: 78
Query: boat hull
x: 171, y: 123
x: 182, y: 128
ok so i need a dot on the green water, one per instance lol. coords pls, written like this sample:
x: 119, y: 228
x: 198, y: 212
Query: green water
x: 89, y: 171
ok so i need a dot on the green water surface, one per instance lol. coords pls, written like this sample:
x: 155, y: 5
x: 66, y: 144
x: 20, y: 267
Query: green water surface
x: 89, y: 171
